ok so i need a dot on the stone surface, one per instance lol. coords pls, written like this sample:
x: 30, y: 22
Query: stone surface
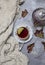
x: 9, y: 47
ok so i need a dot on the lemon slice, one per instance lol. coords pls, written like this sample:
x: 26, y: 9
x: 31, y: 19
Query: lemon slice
x: 20, y: 30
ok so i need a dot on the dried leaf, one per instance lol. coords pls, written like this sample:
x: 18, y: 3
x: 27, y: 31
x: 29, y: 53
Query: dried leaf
x: 24, y: 13
x: 30, y: 47
x: 39, y: 33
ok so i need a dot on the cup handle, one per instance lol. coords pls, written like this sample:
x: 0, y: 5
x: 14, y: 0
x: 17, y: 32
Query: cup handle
x: 21, y: 46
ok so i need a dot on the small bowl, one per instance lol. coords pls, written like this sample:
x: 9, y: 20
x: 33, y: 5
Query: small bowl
x: 23, y: 40
x: 38, y: 16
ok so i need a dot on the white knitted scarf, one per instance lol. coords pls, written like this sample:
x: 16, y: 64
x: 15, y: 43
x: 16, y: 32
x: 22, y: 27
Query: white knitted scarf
x: 9, y: 47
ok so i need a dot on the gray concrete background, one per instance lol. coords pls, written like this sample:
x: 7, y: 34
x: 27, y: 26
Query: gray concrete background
x: 31, y: 5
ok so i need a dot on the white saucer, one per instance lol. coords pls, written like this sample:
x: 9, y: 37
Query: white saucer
x: 22, y: 23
